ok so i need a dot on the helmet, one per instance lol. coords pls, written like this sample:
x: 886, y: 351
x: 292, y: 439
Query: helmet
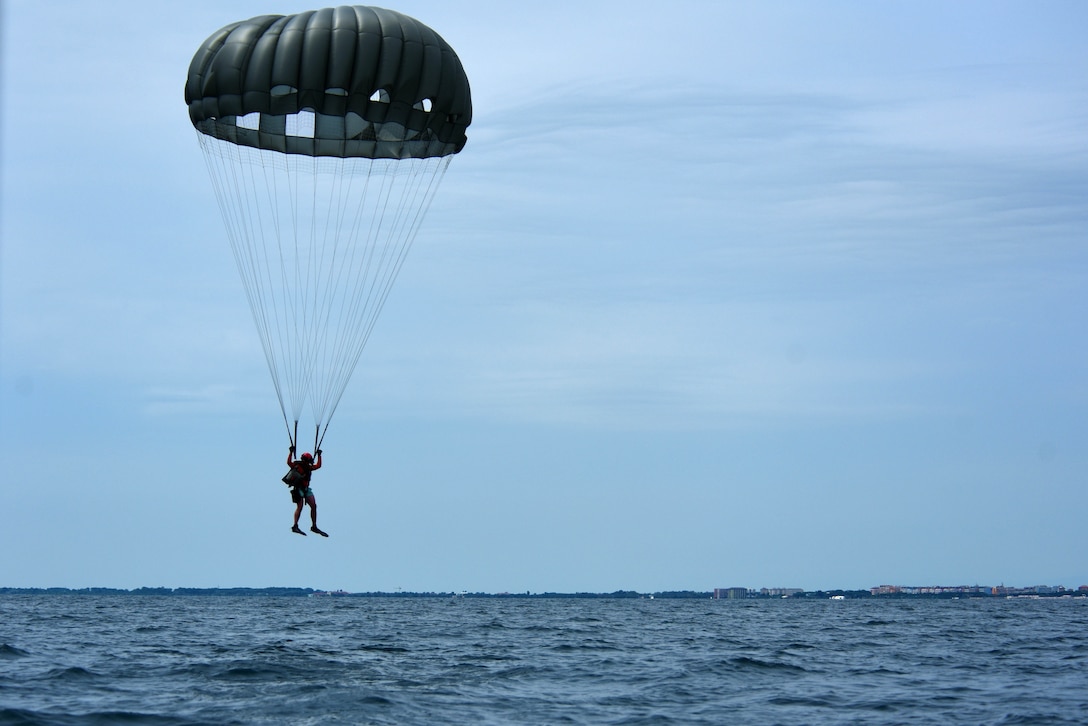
x: 307, y: 456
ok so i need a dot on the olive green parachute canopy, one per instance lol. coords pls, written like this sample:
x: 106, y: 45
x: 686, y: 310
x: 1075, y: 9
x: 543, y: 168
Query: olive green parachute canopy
x: 379, y: 85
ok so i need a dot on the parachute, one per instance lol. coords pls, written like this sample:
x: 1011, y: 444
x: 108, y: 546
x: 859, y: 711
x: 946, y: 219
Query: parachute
x: 326, y: 135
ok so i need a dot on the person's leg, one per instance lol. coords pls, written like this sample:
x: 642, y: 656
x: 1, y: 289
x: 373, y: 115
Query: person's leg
x: 313, y: 515
x: 298, y: 512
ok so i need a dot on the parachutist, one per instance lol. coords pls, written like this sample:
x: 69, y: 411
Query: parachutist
x: 301, y: 493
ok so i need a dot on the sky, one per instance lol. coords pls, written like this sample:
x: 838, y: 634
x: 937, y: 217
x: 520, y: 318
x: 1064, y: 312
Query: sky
x: 718, y: 294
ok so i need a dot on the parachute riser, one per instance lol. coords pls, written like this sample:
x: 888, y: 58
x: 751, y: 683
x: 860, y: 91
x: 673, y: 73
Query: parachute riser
x: 319, y: 436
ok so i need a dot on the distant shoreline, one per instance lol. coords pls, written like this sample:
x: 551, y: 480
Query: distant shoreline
x: 883, y: 593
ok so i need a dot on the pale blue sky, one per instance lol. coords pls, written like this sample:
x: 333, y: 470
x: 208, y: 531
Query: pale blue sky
x: 718, y: 294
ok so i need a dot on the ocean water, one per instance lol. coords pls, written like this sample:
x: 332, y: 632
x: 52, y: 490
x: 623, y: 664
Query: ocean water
x: 126, y: 659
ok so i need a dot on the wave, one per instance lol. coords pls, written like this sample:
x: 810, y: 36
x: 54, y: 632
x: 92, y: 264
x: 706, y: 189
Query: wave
x: 68, y: 673
x: 743, y: 663
x: 27, y: 717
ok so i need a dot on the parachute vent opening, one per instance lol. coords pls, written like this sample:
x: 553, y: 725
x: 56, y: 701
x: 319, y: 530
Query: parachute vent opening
x: 301, y: 124
x: 380, y: 96
x: 249, y: 121
x: 424, y: 105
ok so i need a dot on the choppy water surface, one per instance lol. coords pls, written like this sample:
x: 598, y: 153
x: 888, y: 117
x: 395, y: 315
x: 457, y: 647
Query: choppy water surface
x: 82, y: 659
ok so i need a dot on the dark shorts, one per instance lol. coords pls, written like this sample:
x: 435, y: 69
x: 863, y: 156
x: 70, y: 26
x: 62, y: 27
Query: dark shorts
x: 299, y: 494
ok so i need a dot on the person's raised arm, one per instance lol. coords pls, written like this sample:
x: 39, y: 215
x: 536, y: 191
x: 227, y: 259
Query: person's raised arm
x: 291, y: 456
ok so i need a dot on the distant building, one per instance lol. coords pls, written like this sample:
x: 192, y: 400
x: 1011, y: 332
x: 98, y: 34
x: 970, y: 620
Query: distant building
x: 730, y: 593
x: 885, y: 590
x: 780, y: 591
x: 927, y: 590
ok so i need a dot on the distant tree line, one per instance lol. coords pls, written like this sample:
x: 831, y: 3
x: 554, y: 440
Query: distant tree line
x: 616, y: 595
x: 165, y: 591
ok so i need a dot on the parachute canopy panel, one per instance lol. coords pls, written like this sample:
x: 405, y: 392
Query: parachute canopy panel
x: 364, y: 82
